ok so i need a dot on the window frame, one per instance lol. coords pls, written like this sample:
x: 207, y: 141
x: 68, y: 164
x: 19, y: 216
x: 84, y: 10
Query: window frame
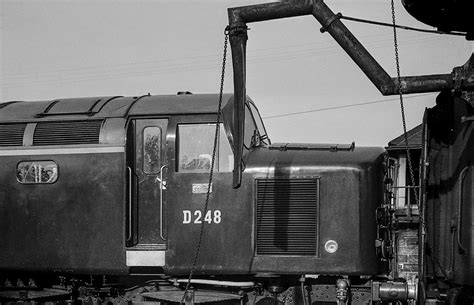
x: 263, y: 132
x: 32, y: 162
x: 160, y: 150
x: 222, y: 134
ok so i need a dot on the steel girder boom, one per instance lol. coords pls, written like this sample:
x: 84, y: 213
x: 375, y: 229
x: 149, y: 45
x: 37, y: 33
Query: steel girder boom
x: 460, y: 78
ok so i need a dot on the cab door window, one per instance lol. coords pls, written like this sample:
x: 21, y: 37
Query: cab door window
x: 151, y: 149
x: 195, y: 146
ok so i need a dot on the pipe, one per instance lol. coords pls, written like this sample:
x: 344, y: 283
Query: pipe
x: 420, y: 84
x: 460, y: 79
x: 378, y: 76
x: 267, y: 11
x: 238, y: 43
x: 303, y: 295
x: 397, y: 291
x: 331, y: 23
x: 218, y: 283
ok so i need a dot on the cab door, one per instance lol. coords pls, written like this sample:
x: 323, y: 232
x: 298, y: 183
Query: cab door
x: 146, y: 171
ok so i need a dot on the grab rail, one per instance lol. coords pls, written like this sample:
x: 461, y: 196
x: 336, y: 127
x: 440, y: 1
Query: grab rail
x: 129, y: 203
x: 162, y: 187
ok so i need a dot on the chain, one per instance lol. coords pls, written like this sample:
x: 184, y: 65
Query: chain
x: 211, y: 172
x: 405, y: 134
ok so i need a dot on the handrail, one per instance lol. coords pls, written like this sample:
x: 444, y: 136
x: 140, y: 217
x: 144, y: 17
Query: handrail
x: 162, y: 187
x: 462, y: 175
x: 129, y: 169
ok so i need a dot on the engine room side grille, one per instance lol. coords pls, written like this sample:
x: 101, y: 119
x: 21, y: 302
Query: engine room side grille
x: 287, y: 216
x: 67, y: 133
x: 12, y: 134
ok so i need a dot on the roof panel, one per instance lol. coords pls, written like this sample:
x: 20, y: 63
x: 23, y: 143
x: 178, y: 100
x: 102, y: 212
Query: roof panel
x: 179, y: 104
x: 73, y: 105
x: 77, y: 108
x: 22, y: 111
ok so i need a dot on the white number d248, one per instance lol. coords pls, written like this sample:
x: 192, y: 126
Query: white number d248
x: 196, y: 217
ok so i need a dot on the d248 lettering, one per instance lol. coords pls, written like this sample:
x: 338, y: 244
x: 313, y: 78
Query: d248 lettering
x: 196, y: 217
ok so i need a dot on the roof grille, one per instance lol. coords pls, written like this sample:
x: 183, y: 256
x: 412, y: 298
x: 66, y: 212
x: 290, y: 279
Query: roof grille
x: 12, y: 134
x: 67, y: 133
x: 287, y: 216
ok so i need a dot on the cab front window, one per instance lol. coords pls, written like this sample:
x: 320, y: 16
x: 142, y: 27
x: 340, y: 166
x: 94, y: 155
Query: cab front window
x: 195, y: 146
x: 254, y: 130
x: 259, y: 122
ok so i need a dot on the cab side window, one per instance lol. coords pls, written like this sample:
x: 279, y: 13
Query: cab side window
x: 195, y: 145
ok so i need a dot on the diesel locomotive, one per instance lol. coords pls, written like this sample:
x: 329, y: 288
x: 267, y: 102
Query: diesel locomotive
x: 110, y: 190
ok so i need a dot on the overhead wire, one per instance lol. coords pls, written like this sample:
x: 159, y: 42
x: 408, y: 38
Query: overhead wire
x: 343, y: 106
x: 199, y: 60
x: 211, y: 56
x: 267, y: 53
x: 197, y: 57
x: 189, y: 66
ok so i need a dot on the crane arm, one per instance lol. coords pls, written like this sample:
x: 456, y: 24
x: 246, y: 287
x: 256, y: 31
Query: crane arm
x: 460, y: 78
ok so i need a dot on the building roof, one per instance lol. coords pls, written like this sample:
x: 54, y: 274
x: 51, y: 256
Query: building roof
x: 414, y: 139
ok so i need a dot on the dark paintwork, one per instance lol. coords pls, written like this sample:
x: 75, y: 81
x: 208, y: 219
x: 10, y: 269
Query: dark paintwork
x: 226, y: 246
x: 146, y: 189
x: 449, y: 188
x: 446, y: 15
x: 72, y: 224
x: 350, y: 191
x: 79, y: 223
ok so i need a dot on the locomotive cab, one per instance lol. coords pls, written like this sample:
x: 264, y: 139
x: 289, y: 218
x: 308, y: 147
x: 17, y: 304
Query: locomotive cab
x: 75, y: 167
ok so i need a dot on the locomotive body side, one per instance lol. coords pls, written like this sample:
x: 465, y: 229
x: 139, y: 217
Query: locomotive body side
x: 349, y: 188
x: 62, y: 183
x: 54, y: 227
x: 80, y: 191
x: 291, y: 208
x: 116, y: 186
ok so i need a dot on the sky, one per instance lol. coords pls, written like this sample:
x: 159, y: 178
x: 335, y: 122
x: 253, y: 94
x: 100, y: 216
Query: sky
x: 306, y: 88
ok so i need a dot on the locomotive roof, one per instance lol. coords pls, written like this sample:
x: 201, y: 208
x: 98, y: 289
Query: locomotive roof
x: 110, y: 106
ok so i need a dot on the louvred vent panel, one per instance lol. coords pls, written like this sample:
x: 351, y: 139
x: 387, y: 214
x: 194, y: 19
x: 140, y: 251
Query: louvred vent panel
x: 67, y: 133
x: 11, y: 134
x: 287, y: 216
